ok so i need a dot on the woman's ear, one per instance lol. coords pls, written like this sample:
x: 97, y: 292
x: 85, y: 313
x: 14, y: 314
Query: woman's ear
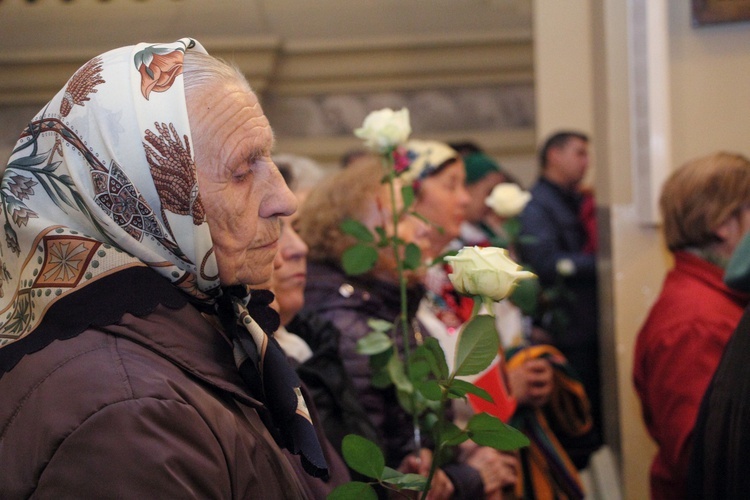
x: 728, y: 229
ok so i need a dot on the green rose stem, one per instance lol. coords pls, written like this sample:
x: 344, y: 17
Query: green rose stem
x: 395, y: 216
x: 444, y: 401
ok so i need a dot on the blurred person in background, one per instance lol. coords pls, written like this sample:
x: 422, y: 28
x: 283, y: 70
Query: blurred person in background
x: 555, y: 242
x: 705, y: 205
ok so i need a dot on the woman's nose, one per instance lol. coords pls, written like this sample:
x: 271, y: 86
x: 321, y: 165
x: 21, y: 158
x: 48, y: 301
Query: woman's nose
x: 279, y: 201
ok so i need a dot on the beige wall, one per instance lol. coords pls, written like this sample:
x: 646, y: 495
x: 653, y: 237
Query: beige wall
x: 707, y: 88
x: 563, y: 71
x: 710, y: 87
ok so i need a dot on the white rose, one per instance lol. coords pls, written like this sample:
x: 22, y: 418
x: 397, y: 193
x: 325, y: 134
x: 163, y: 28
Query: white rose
x: 565, y: 267
x: 385, y: 129
x: 487, y: 272
x: 507, y: 199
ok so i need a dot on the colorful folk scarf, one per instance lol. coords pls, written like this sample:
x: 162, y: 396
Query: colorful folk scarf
x: 547, y: 471
x: 103, y: 181
x: 426, y: 158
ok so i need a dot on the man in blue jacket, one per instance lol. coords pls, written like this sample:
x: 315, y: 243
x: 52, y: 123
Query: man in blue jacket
x: 558, y: 241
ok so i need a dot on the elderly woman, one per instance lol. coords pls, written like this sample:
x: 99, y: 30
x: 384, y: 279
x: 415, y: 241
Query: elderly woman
x: 706, y: 209
x: 139, y: 204
x: 351, y: 301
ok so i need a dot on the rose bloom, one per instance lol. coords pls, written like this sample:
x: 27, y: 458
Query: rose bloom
x: 385, y: 129
x: 507, y: 199
x: 485, y: 271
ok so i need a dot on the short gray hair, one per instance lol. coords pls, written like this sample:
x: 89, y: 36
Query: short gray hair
x: 202, y: 71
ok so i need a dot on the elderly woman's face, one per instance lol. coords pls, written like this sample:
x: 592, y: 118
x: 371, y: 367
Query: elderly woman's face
x: 241, y: 188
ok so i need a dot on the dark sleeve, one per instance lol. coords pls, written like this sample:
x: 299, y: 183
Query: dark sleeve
x: 328, y: 383
x: 392, y: 423
x: 541, y: 245
x: 466, y: 480
x: 143, y: 448
x: 721, y: 437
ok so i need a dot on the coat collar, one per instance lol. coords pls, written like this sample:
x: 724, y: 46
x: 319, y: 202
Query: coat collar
x: 708, y: 273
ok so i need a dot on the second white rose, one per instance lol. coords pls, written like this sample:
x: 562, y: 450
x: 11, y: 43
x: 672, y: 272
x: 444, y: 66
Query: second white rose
x: 486, y: 271
x: 507, y: 199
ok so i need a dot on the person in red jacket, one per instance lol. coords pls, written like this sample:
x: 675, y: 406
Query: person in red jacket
x: 706, y: 209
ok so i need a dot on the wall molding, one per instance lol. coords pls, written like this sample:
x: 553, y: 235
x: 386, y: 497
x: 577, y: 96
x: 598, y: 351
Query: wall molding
x: 318, y: 68
x: 313, y: 67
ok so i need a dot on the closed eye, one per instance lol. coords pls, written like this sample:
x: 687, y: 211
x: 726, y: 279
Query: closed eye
x: 241, y: 176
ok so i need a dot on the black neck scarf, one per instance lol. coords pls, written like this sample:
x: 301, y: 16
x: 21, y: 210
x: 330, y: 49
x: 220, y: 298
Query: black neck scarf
x: 263, y: 366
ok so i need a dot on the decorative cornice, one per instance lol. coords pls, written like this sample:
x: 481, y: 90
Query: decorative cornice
x: 312, y: 67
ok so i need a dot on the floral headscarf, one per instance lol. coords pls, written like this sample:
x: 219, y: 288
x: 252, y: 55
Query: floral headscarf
x: 94, y: 186
x: 426, y: 157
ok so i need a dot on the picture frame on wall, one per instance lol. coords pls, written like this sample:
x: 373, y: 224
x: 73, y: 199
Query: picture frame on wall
x: 707, y: 12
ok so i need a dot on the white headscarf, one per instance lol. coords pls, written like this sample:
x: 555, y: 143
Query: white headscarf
x: 101, y: 180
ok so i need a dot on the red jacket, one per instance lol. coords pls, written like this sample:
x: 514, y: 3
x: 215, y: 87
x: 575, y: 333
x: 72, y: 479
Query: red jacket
x: 676, y: 355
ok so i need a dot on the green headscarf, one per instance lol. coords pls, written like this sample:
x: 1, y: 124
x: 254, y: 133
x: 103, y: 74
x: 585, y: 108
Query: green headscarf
x: 479, y: 165
x: 737, y: 272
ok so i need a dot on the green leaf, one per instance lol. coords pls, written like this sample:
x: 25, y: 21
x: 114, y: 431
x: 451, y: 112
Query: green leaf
x: 440, y: 259
x: 379, y: 325
x: 486, y: 430
x: 407, y: 481
x: 374, y: 343
x: 383, y: 240
x: 429, y: 421
x: 353, y: 489
x: 419, y: 368
x: 380, y: 379
x: 358, y: 230
x: 438, y: 365
x: 363, y: 456
x: 398, y: 375
x: 452, y: 435
x: 526, y: 296
x: 359, y: 259
x: 461, y: 387
x: 512, y: 228
x: 412, y: 256
x: 430, y: 389
x: 407, y: 401
x: 407, y: 193
x: 478, y: 344
x: 378, y: 364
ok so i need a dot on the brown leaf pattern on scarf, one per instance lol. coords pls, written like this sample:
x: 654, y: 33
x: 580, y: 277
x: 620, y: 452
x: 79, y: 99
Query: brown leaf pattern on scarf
x: 81, y: 85
x: 173, y: 171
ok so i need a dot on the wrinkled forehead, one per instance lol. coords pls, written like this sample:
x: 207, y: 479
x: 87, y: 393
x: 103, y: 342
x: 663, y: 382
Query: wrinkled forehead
x: 230, y: 117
